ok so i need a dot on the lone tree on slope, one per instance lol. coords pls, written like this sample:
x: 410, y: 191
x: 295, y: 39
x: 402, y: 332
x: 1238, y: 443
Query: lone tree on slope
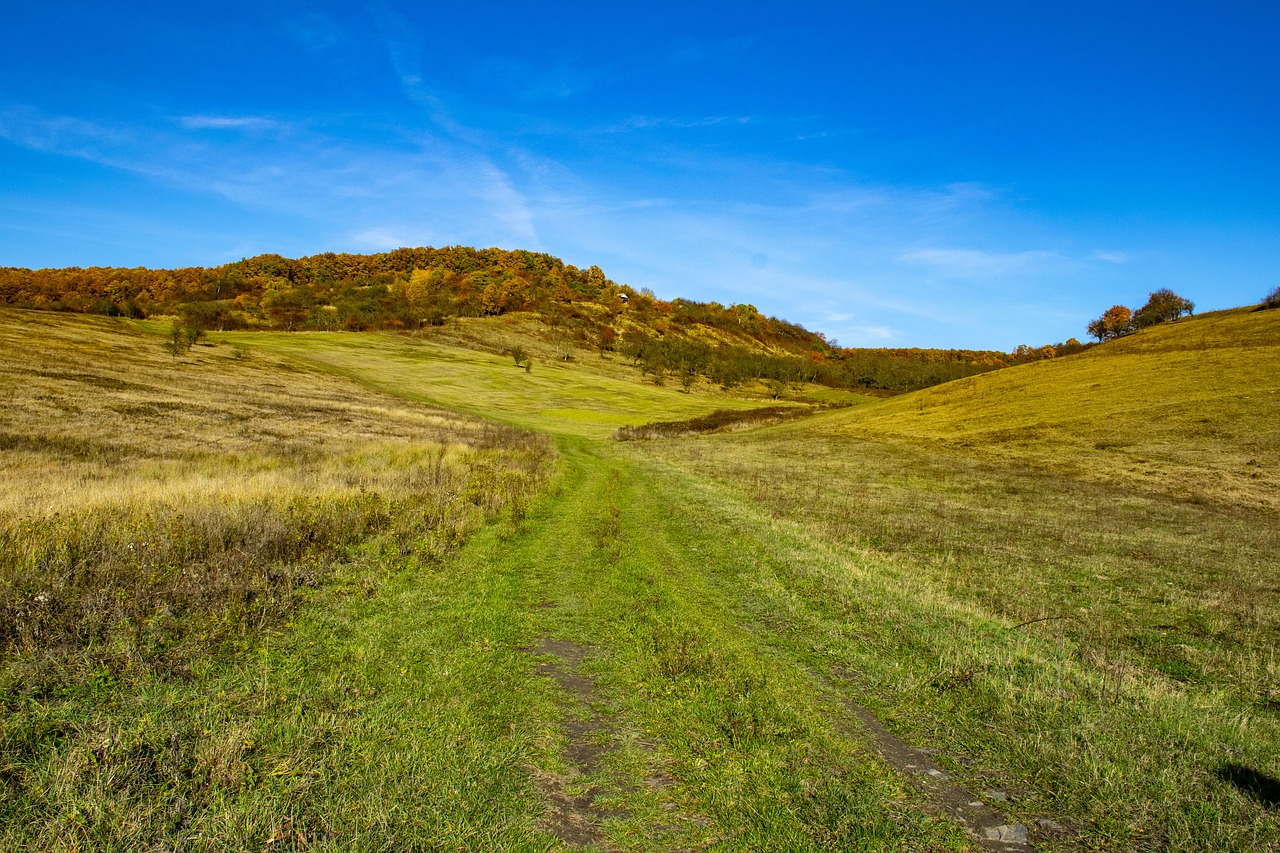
x: 1114, y: 322
x: 1163, y: 305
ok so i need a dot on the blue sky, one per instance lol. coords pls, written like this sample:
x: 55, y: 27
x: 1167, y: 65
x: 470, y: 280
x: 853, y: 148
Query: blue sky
x: 975, y: 174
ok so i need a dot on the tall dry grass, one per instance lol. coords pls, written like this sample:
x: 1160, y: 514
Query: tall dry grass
x: 156, y: 509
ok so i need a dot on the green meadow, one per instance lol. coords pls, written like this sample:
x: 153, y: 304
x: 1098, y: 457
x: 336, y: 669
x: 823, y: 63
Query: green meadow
x: 380, y: 592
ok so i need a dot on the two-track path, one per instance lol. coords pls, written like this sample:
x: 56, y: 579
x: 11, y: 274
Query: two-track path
x: 689, y: 711
x: 636, y: 665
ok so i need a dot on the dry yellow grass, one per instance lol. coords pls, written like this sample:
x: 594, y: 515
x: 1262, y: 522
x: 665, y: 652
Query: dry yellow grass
x: 148, y: 500
x: 1131, y: 490
x: 1190, y: 409
x: 97, y: 413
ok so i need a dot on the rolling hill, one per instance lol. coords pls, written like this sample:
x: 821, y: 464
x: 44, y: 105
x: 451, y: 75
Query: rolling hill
x: 1191, y: 408
x: 338, y: 591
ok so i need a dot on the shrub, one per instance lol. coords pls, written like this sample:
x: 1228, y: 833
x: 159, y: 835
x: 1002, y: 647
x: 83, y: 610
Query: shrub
x: 720, y: 420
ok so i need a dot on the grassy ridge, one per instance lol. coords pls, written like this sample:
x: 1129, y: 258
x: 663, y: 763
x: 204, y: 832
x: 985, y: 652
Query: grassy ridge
x: 1190, y: 409
x: 1151, y: 682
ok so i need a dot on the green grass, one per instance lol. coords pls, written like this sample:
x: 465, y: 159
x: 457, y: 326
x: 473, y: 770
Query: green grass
x: 1153, y: 671
x: 163, y: 518
x: 554, y: 397
x: 725, y: 598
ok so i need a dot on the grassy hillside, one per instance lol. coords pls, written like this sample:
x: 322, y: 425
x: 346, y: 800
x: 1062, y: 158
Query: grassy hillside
x: 552, y: 396
x: 153, y: 507
x: 327, y: 591
x: 1074, y: 579
x: 1191, y: 409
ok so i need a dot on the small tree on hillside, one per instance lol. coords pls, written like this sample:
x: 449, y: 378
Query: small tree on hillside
x: 182, y: 337
x: 1272, y: 299
x: 608, y: 339
x: 1114, y: 322
x: 1162, y: 306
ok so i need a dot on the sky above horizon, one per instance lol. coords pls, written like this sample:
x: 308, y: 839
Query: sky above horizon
x: 974, y: 175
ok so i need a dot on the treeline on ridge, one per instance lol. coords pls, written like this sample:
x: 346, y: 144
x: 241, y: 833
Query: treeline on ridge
x: 408, y: 289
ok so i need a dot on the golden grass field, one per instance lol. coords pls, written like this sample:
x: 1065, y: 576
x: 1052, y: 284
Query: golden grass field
x: 1190, y: 409
x: 140, y: 489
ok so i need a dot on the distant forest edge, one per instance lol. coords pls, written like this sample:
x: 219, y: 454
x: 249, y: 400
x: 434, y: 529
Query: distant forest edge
x: 409, y: 289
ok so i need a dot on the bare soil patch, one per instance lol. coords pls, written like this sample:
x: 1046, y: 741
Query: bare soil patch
x: 572, y: 813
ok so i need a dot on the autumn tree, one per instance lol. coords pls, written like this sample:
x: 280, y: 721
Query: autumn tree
x: 608, y: 339
x: 1070, y: 347
x: 1272, y: 299
x: 182, y: 337
x: 286, y: 307
x: 1114, y: 322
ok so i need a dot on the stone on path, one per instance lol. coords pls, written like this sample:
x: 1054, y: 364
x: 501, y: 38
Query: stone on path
x: 1015, y: 833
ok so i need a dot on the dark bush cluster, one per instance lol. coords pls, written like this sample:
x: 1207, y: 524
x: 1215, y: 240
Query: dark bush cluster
x: 720, y: 420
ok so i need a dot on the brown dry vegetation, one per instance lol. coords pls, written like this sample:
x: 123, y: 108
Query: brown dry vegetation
x: 153, y: 508
x: 721, y: 420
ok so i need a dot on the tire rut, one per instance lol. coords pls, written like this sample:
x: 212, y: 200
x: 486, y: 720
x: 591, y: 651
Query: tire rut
x: 991, y: 828
x: 575, y: 818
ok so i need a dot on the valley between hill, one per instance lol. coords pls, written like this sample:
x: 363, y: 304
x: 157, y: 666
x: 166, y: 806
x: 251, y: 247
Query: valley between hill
x: 1053, y: 588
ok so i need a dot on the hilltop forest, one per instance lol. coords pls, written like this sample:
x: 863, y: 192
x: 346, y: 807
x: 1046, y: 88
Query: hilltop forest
x: 409, y: 289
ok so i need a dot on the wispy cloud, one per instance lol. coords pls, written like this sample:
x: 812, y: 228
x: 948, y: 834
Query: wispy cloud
x: 432, y: 187
x: 403, y: 48
x: 207, y: 122
x: 828, y: 134
x: 386, y: 239
x: 1112, y: 257
x: 972, y: 263
x: 69, y: 135
x: 665, y: 122
x: 871, y: 335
